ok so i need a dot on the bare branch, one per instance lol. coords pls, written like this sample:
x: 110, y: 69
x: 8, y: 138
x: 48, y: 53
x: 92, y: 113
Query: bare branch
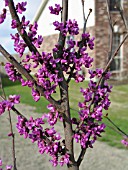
x: 85, y: 19
x: 109, y: 16
x: 11, y: 130
x: 122, y: 132
x: 81, y: 156
x: 13, y: 142
x: 113, y: 56
x: 119, y: 7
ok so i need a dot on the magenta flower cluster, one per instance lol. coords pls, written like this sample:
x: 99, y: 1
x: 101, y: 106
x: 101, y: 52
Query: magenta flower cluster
x: 70, y: 27
x: 20, y: 7
x: 8, y: 104
x: 8, y: 167
x: 48, y: 140
x: 19, y: 44
x: 125, y: 141
x: 55, y: 10
x: 91, y: 111
x: 3, y: 16
x: 79, y: 58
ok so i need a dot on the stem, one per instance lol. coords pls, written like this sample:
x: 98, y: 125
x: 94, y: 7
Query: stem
x: 68, y: 132
x: 11, y: 130
x: 116, y: 126
x: 113, y: 56
x: 81, y: 157
x: 13, y: 142
x: 85, y: 19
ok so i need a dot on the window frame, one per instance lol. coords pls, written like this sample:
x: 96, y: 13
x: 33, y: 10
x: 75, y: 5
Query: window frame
x: 117, y: 67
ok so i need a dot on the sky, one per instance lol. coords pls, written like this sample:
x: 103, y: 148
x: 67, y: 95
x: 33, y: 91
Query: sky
x: 5, y: 28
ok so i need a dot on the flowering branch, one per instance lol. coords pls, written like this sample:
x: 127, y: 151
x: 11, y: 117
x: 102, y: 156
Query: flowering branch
x: 22, y: 32
x: 12, y: 60
x: 15, y: 110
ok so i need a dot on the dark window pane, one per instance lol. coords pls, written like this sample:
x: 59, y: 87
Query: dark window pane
x: 114, y: 5
x: 115, y: 65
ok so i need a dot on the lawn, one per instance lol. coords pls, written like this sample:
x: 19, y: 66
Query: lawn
x: 118, y: 111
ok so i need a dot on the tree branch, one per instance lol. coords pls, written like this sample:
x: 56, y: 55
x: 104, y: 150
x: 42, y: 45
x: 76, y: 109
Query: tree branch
x: 116, y: 126
x: 113, y: 56
x: 81, y: 43
x: 11, y: 130
x: 25, y: 37
x: 81, y: 156
x: 85, y: 19
x: 21, y: 70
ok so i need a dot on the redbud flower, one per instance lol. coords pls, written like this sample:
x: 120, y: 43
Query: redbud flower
x: 20, y: 7
x: 125, y: 141
x: 9, y: 167
x: 55, y: 10
x: 3, y: 16
x: 0, y: 162
x: 6, y: 2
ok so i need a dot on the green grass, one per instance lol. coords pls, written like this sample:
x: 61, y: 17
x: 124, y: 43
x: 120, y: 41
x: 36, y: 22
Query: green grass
x: 118, y: 111
x: 25, y: 94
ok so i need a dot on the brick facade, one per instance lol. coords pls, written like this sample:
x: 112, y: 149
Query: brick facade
x: 102, y: 33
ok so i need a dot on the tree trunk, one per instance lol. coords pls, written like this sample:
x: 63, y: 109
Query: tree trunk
x: 73, y: 167
x: 68, y: 131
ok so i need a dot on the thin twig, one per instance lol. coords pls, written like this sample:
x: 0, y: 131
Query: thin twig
x: 119, y: 7
x: 118, y: 129
x: 116, y: 126
x: 13, y: 142
x: 111, y: 38
x: 81, y: 43
x: 81, y: 156
x: 113, y: 56
x: 11, y: 130
x: 85, y: 19
x: 109, y: 16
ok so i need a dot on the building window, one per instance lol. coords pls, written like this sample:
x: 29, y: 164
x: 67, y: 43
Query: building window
x: 114, y: 5
x: 116, y: 63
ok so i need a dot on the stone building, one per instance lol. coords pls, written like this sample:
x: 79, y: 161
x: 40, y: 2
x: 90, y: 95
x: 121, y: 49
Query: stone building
x: 98, y: 26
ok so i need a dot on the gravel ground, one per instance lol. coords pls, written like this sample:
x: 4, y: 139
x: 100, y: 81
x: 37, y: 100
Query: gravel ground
x: 102, y: 157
